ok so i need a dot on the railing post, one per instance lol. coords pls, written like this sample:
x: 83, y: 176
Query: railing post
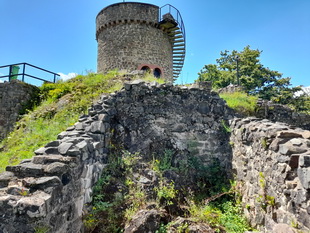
x: 24, y: 68
x: 10, y: 73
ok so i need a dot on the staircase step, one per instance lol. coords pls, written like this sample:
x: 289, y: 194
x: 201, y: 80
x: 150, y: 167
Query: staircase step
x: 178, y: 37
x: 182, y: 51
x: 178, y: 41
x: 177, y: 57
x: 178, y: 45
x: 173, y: 29
x: 176, y: 33
x: 179, y: 48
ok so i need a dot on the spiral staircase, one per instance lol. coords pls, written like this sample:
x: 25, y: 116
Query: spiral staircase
x: 171, y: 22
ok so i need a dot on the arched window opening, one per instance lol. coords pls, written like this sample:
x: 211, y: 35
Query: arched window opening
x: 157, y: 72
x: 146, y: 69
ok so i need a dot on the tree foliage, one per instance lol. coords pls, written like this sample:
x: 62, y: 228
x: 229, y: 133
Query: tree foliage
x: 255, y: 78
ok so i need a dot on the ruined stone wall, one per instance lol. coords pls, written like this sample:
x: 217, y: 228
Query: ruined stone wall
x: 14, y: 97
x: 128, y: 36
x: 272, y: 162
x: 52, y: 189
x: 281, y: 113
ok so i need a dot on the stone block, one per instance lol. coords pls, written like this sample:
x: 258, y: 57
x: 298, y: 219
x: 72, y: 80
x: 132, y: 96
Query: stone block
x: 294, y: 161
x: 42, y: 182
x: 56, y: 168
x: 304, y: 177
x: 97, y: 127
x: 304, y: 160
x: 27, y: 169
x: 64, y: 147
x: 5, y: 178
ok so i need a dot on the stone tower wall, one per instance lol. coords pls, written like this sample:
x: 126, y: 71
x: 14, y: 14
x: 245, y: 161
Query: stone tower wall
x: 128, y: 36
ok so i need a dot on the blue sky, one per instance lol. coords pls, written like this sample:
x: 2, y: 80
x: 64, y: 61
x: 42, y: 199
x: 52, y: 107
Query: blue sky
x: 59, y: 35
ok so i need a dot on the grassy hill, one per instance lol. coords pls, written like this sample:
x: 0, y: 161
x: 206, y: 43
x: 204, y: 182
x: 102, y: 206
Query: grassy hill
x: 61, y: 105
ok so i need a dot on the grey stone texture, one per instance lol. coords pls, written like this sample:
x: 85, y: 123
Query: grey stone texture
x: 128, y: 36
x: 271, y: 161
x: 14, y: 97
x: 55, y: 186
x: 277, y: 112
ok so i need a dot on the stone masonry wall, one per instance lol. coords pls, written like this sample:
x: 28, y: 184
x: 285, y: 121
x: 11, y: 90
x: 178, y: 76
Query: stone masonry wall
x: 14, y: 96
x: 128, y: 36
x: 52, y: 190
x: 272, y: 162
x: 277, y: 112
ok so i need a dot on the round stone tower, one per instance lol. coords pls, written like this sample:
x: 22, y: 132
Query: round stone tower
x: 132, y: 36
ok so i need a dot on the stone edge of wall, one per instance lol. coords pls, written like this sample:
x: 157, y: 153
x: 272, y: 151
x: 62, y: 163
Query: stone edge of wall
x: 272, y: 162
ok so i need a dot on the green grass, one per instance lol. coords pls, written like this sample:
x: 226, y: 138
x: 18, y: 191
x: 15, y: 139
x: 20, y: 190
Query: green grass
x: 240, y: 102
x: 62, y: 104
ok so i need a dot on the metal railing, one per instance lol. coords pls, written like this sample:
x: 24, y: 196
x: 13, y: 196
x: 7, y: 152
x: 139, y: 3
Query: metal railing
x: 15, y: 74
x: 176, y: 15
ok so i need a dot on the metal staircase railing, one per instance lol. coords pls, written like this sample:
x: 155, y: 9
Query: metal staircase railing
x: 171, y: 21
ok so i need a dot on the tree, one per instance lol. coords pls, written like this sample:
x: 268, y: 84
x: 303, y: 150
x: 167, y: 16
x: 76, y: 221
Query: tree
x: 254, y: 77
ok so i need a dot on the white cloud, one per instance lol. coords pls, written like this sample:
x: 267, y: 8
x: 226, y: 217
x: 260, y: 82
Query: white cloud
x: 305, y: 90
x: 65, y: 77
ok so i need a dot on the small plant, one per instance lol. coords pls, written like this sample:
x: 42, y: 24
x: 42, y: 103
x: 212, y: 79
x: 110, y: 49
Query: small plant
x: 270, y: 200
x: 262, y: 181
x: 23, y: 192
x: 165, y: 192
x: 162, y: 228
x: 135, y: 200
x: 163, y: 162
x: 41, y: 229
x: 294, y: 224
x: 226, y: 128
x: 264, y: 143
x: 183, y: 228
